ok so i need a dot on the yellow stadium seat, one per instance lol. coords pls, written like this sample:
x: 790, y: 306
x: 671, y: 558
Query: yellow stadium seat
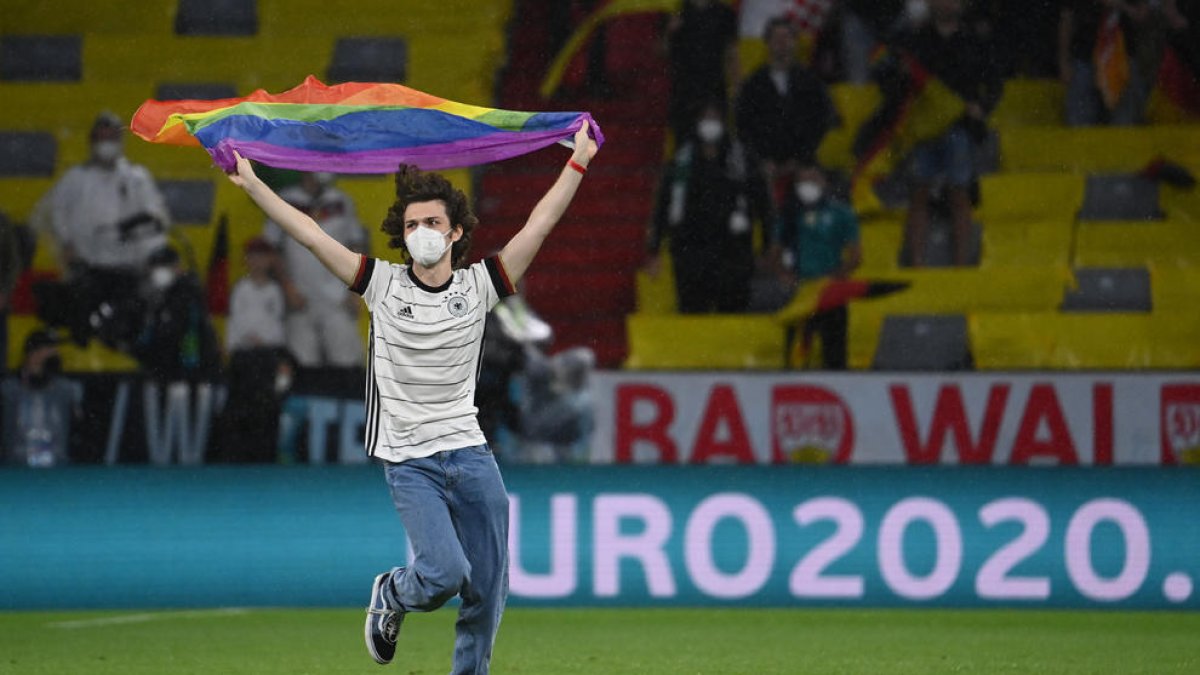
x: 1137, y: 244
x: 714, y: 341
x: 248, y: 63
x: 50, y: 17
x: 656, y: 295
x: 1096, y: 149
x: 1070, y: 341
x: 1174, y: 289
x: 1027, y: 244
x: 881, y: 243
x: 1034, y: 195
x: 1028, y: 102
x: 94, y: 357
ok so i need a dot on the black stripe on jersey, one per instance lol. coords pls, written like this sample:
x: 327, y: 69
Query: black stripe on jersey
x: 398, y: 325
x: 407, y: 400
x: 372, y: 396
x: 499, y: 276
x: 421, y: 365
x: 366, y: 267
x: 422, y: 384
x: 426, y: 349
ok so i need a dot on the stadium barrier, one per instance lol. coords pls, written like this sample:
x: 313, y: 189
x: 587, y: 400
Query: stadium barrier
x: 1120, y: 537
x: 1045, y: 418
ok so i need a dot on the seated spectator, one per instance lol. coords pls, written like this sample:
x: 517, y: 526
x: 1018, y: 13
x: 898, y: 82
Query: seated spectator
x: 1096, y: 43
x: 260, y: 369
x: 322, y: 321
x: 962, y: 60
x: 106, y: 216
x: 177, y: 341
x: 256, y: 306
x: 783, y: 110
x: 818, y: 238
x: 702, y: 51
x: 709, y: 199
x: 40, y: 406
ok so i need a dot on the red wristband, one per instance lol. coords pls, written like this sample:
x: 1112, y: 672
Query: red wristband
x: 577, y: 166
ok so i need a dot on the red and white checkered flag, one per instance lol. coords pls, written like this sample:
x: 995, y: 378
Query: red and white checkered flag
x: 809, y: 15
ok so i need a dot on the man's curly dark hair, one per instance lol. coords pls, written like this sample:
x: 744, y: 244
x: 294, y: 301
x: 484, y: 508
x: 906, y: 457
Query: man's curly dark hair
x: 414, y: 185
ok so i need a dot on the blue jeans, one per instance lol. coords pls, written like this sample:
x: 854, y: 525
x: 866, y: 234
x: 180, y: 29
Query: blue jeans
x: 455, y: 511
x: 948, y: 156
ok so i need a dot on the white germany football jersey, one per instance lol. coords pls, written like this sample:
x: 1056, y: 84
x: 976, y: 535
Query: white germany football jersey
x: 425, y: 350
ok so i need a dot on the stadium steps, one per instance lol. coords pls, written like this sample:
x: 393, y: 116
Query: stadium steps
x: 583, y: 281
x: 700, y: 342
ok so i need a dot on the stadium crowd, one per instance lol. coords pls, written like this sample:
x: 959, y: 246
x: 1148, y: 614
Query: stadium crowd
x: 742, y: 199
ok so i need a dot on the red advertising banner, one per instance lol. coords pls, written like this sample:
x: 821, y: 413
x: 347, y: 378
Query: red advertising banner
x: 879, y: 418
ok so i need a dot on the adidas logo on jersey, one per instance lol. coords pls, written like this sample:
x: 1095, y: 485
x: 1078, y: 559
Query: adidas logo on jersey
x: 405, y: 312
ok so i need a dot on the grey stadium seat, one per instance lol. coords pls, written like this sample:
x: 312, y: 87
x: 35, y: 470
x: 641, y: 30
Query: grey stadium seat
x: 1120, y: 197
x: 203, y: 91
x: 27, y: 153
x: 41, y: 58
x: 216, y: 17
x: 369, y: 60
x: 189, y: 201
x: 1108, y: 289
x: 926, y: 342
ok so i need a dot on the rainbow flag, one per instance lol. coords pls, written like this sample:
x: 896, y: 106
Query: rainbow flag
x: 354, y: 128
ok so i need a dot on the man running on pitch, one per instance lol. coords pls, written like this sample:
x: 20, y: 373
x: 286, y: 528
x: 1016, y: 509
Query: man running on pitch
x: 426, y: 336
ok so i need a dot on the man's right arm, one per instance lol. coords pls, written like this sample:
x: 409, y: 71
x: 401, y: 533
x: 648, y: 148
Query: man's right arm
x: 333, y: 255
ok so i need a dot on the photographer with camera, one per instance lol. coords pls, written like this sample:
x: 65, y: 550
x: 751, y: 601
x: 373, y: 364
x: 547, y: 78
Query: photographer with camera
x: 106, y: 217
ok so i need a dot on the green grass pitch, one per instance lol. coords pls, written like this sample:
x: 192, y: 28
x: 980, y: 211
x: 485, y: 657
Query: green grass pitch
x: 610, y: 641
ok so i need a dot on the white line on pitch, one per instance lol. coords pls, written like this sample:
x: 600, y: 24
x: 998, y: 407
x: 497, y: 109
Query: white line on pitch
x: 149, y: 616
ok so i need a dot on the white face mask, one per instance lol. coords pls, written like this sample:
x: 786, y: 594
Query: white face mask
x: 916, y: 11
x: 809, y: 192
x: 161, y: 277
x: 427, y: 246
x: 324, y: 178
x: 106, y: 151
x: 710, y: 131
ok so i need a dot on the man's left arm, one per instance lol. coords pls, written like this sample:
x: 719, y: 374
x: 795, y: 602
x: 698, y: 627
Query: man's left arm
x: 521, y: 249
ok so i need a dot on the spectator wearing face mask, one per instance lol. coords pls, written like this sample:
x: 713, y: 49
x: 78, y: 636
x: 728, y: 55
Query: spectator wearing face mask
x: 106, y: 217
x: 711, y: 195
x: 818, y: 238
x: 322, y: 325
x: 39, y: 406
x: 177, y: 341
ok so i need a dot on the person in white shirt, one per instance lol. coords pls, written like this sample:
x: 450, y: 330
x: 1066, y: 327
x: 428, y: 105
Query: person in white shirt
x: 427, y: 322
x: 316, y: 297
x: 260, y: 369
x: 256, y: 305
x: 108, y: 212
x: 106, y: 216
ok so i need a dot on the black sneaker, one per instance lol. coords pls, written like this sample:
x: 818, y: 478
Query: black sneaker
x: 383, y: 623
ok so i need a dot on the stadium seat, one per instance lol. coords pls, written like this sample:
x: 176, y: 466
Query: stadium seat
x: 369, y: 60
x: 205, y: 91
x: 1029, y: 195
x: 923, y: 342
x: 704, y: 342
x: 1109, y: 290
x: 27, y: 153
x: 1120, y: 197
x: 216, y: 17
x: 189, y: 201
x: 1033, y: 243
x: 65, y: 17
x: 1053, y: 340
x: 1137, y: 244
x: 1096, y: 149
x: 1027, y: 102
x: 41, y: 58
